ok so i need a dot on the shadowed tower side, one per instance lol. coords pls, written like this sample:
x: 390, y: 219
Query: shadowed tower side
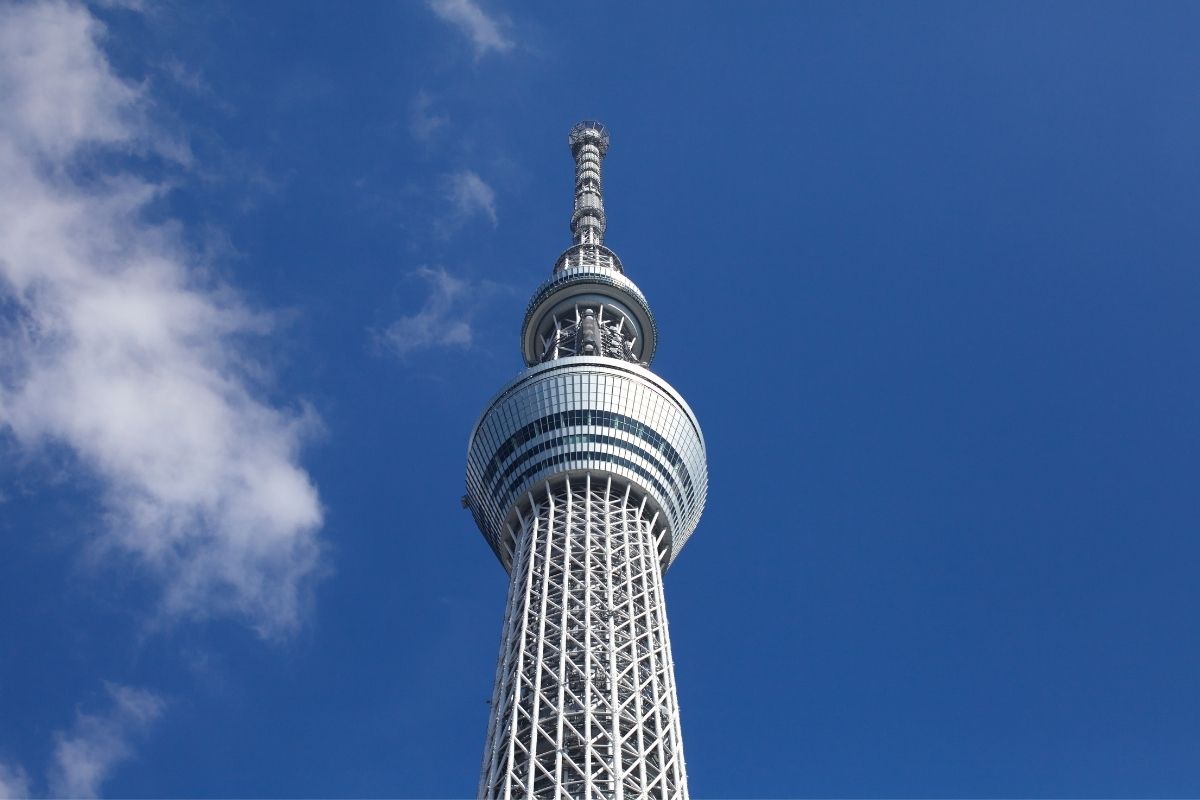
x: 586, y: 475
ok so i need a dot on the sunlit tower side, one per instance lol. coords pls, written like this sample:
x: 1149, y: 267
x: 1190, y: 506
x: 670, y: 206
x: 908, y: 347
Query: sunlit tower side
x: 586, y: 475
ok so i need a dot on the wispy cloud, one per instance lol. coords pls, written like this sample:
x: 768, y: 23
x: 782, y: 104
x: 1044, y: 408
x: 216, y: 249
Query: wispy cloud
x: 468, y: 195
x: 138, y: 6
x: 14, y: 783
x: 423, y: 121
x: 85, y: 755
x: 485, y: 32
x: 443, y: 320
x: 191, y: 79
x: 115, y: 345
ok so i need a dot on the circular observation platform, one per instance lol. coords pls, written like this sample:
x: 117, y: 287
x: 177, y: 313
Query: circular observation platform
x: 588, y: 285
x: 581, y: 415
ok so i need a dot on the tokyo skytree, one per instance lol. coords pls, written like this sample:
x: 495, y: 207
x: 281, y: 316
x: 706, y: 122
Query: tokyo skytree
x: 586, y: 475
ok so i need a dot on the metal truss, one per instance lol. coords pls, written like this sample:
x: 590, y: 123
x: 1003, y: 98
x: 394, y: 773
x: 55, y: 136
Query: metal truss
x: 595, y: 329
x: 584, y: 703
x: 588, y: 256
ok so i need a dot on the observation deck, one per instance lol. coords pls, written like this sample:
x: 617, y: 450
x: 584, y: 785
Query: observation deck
x: 582, y: 414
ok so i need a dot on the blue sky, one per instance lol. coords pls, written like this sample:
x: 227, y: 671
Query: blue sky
x: 927, y: 273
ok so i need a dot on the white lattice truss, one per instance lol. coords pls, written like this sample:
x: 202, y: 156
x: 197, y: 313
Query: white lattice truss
x: 584, y: 704
x: 594, y: 329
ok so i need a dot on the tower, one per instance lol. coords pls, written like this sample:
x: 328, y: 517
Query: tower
x: 586, y: 475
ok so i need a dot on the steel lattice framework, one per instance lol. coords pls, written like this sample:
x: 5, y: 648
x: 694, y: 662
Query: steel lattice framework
x: 585, y: 699
x: 586, y: 475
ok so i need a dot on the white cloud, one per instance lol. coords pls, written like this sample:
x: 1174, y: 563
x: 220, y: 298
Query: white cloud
x: 57, y: 93
x: 114, y: 345
x: 466, y: 15
x: 469, y: 195
x: 443, y: 321
x: 14, y: 783
x: 423, y: 122
x: 86, y: 755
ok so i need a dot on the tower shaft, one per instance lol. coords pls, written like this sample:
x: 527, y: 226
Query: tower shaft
x: 584, y: 703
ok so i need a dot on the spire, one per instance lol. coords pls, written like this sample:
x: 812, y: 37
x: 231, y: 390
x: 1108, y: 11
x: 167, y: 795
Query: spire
x: 588, y: 307
x: 589, y: 143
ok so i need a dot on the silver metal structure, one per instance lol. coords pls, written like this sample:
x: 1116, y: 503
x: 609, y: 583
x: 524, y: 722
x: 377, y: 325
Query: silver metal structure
x: 586, y: 475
